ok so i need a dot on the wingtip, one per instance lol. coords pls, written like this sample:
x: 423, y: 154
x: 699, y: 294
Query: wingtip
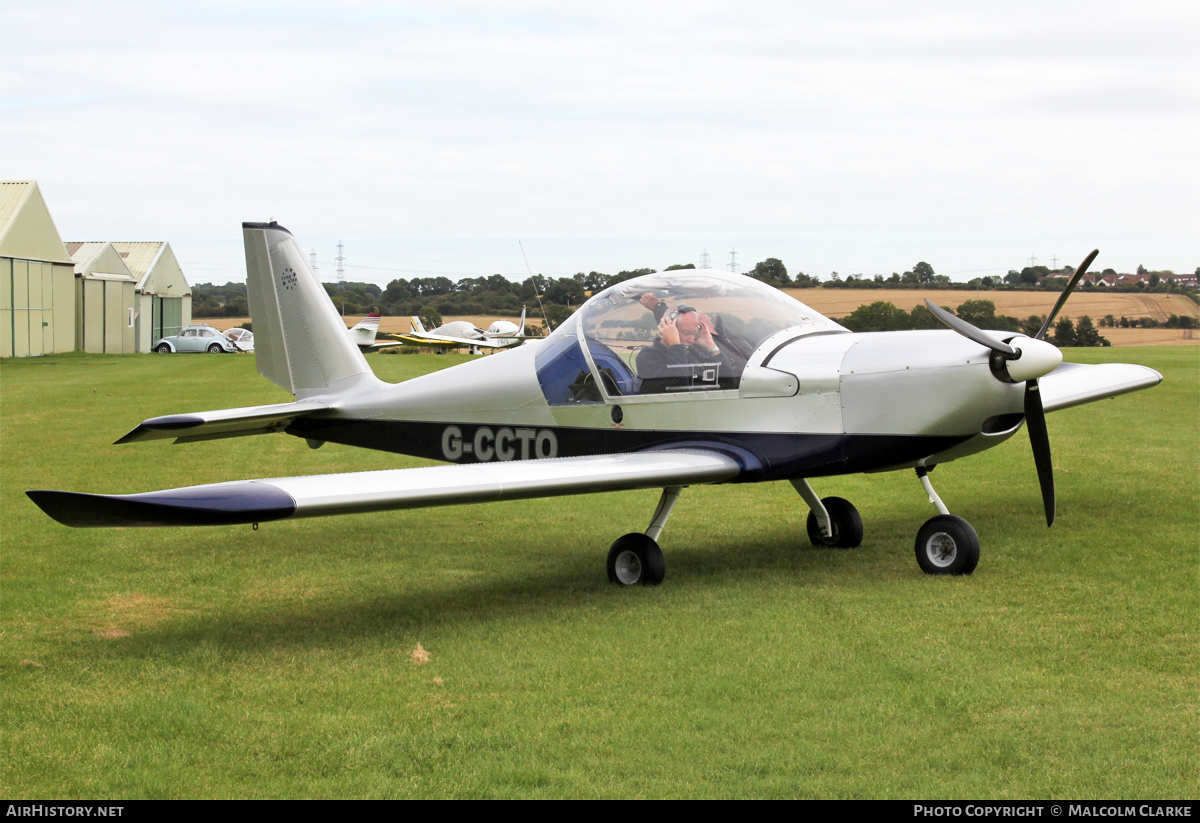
x: 225, y: 505
x: 160, y: 427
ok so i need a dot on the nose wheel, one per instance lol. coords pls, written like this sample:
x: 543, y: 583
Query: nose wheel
x: 946, y: 544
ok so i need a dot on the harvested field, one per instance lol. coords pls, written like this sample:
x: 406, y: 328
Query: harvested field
x: 840, y: 302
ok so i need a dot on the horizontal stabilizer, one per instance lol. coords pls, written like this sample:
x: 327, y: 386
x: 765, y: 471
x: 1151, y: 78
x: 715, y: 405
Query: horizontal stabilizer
x: 1073, y: 384
x: 255, y: 501
x: 211, y: 425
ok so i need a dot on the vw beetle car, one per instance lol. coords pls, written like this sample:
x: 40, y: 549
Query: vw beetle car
x: 201, y: 337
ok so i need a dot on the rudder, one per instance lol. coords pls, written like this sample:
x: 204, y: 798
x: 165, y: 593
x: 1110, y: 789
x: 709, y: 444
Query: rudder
x: 301, y: 343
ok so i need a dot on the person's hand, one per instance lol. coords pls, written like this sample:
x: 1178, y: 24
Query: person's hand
x: 704, y: 335
x: 649, y: 301
x: 667, y: 332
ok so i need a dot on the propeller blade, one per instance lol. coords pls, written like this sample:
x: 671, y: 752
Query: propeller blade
x: 1062, y: 298
x: 970, y: 332
x: 1039, y: 438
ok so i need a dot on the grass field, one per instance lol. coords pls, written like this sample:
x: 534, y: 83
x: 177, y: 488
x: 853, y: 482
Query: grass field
x: 479, y: 651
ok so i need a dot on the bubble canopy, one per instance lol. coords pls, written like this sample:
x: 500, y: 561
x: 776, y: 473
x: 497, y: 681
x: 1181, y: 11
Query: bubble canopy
x: 615, y: 347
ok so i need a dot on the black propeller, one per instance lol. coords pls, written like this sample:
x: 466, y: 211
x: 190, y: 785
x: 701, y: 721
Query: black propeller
x: 1003, y: 354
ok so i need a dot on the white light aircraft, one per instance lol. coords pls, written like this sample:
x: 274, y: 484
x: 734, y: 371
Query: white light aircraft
x: 502, y: 334
x: 737, y: 382
x: 364, y: 332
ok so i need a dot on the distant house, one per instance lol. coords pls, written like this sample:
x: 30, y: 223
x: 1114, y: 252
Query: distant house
x: 1189, y: 280
x: 37, y: 276
x: 1126, y: 279
x: 105, y: 316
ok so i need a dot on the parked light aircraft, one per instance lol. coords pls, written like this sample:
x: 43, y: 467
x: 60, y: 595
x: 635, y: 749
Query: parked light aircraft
x: 458, y: 333
x: 364, y: 332
x: 768, y: 389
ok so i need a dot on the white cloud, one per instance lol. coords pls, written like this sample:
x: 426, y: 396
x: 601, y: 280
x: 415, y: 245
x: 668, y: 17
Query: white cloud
x: 1004, y: 123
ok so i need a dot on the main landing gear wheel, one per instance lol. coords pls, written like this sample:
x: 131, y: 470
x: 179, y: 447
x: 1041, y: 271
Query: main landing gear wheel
x: 846, y: 522
x: 947, y: 544
x: 636, y: 560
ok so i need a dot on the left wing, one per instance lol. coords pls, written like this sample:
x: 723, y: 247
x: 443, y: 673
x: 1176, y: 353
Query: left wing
x: 257, y: 501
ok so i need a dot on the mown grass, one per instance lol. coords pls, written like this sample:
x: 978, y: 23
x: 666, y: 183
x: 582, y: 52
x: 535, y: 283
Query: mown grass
x: 228, y: 662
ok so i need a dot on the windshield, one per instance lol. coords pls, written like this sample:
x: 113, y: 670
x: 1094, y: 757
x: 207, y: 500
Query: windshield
x: 672, y: 332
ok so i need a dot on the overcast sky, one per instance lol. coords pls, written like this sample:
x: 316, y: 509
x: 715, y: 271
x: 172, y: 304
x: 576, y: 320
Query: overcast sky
x: 431, y: 137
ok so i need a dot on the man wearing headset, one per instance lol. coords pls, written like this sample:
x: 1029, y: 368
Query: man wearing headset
x: 684, y: 356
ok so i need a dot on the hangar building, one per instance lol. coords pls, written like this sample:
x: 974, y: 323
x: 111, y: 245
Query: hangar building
x: 163, y: 298
x: 37, y: 276
x: 93, y: 296
x: 104, y: 314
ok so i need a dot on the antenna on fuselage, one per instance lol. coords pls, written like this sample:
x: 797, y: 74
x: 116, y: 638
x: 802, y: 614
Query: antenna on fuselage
x: 536, y: 290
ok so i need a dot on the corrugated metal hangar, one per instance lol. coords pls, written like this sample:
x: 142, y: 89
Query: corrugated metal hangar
x: 100, y: 297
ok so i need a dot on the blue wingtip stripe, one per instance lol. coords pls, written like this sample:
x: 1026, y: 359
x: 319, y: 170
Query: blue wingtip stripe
x: 226, y: 505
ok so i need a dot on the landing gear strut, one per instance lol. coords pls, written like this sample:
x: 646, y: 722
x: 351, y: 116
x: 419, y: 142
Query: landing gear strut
x: 946, y: 544
x: 635, y: 559
x: 832, y: 521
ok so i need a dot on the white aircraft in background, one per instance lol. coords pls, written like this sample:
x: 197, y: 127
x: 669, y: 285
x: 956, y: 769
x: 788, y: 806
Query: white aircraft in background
x: 363, y: 335
x: 364, y: 332
x: 737, y: 383
x: 502, y: 334
x: 242, y: 338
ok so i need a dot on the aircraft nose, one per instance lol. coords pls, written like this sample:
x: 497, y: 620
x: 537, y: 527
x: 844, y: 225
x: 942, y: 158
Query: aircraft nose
x: 1038, y: 358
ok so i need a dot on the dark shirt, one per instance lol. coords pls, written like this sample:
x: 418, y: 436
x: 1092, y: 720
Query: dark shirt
x: 681, y: 368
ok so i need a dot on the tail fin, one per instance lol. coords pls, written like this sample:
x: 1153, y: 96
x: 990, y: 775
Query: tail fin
x: 521, y: 322
x: 363, y: 334
x: 300, y: 340
x: 417, y: 326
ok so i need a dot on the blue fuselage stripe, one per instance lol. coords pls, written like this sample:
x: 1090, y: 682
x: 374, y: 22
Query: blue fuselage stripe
x: 764, y: 455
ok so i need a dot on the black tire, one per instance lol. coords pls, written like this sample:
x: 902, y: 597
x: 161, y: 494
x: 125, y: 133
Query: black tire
x: 947, y: 544
x: 846, y: 522
x: 163, y: 348
x: 215, y: 348
x: 636, y: 560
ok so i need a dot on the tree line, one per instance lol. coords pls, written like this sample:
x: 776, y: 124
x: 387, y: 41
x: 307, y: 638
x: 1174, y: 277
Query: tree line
x: 432, y: 298
x: 884, y: 316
